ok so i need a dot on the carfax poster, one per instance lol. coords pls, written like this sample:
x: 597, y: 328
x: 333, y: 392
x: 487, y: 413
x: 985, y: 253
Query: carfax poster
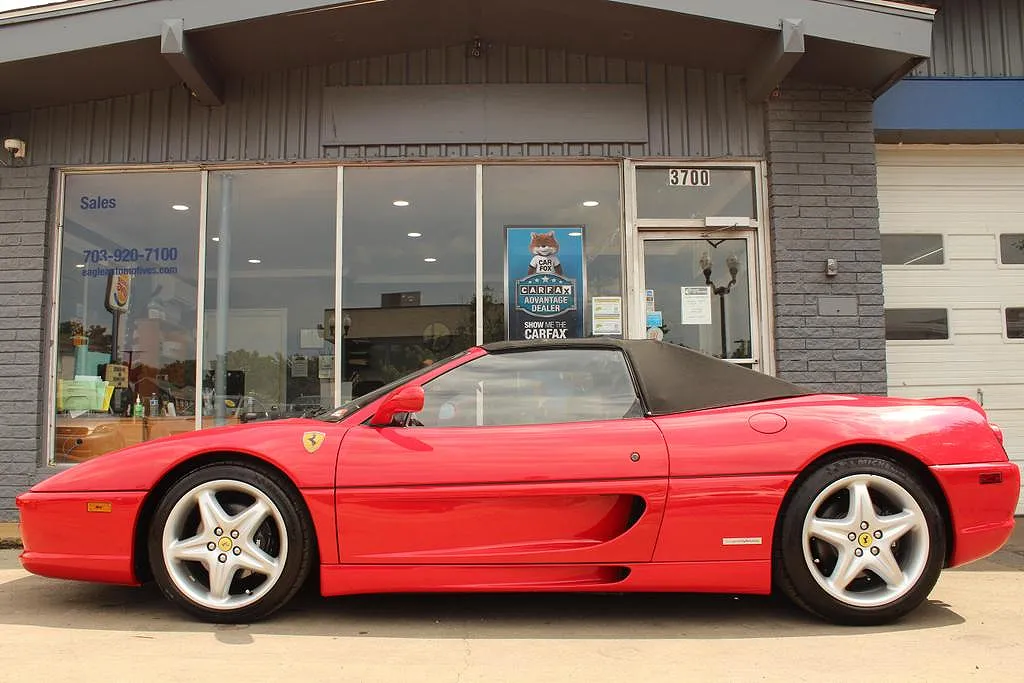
x: 545, y: 282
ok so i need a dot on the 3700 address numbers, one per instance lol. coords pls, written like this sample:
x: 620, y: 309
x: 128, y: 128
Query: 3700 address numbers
x: 131, y: 255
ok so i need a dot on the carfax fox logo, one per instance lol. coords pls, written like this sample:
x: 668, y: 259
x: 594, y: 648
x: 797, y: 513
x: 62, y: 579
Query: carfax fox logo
x: 544, y: 246
x: 545, y: 292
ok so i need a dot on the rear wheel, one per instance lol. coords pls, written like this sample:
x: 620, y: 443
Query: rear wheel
x: 861, y: 542
x: 230, y: 544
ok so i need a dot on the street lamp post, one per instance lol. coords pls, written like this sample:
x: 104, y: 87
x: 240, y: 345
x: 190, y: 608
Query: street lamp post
x: 733, y: 264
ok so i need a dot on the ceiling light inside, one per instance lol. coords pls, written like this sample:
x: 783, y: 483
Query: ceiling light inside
x: 430, y: 259
x: 215, y: 239
x: 400, y: 202
x: 590, y: 203
x: 79, y: 265
x: 179, y: 207
x: 255, y: 260
x: 414, y: 235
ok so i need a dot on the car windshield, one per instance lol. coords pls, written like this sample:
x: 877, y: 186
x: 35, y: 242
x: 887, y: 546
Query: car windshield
x: 340, y: 413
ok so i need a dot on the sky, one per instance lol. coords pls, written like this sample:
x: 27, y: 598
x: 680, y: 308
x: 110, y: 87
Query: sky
x: 18, y: 4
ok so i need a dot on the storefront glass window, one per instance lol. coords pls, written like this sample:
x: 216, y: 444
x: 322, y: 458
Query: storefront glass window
x: 127, y: 311
x: 409, y: 271
x: 688, y: 193
x: 270, y: 267
x: 553, y: 217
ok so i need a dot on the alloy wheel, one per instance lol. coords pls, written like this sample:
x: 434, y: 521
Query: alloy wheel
x: 224, y: 544
x: 865, y: 540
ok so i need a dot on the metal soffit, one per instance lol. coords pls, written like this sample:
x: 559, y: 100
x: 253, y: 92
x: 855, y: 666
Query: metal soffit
x: 122, y: 46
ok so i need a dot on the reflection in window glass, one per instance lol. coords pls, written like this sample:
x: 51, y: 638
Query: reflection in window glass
x: 269, y: 289
x: 916, y: 323
x: 1015, y: 323
x: 912, y: 250
x: 548, y: 197
x: 709, y: 272
x: 540, y: 387
x: 127, y: 311
x: 409, y: 275
x: 1011, y: 248
x: 666, y: 193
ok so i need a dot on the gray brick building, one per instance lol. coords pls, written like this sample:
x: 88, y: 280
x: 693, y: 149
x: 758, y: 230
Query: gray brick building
x: 246, y: 167
x: 824, y: 204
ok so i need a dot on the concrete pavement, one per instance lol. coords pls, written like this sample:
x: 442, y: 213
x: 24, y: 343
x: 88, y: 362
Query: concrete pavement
x: 63, y: 631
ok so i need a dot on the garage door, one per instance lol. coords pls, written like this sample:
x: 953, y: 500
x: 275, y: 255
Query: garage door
x: 953, y: 251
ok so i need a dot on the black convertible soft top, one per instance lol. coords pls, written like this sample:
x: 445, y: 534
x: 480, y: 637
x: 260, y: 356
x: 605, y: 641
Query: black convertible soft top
x: 675, y: 379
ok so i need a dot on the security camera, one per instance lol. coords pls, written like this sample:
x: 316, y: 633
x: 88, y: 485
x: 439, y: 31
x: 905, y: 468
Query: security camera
x: 15, y: 147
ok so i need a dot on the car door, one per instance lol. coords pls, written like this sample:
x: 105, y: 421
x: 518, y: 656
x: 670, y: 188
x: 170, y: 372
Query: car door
x: 525, y: 457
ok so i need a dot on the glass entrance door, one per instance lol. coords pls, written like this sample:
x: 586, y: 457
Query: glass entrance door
x: 700, y: 292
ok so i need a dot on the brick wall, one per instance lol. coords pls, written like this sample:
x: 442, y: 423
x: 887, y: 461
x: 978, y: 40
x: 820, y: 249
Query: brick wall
x: 23, y: 248
x: 824, y: 204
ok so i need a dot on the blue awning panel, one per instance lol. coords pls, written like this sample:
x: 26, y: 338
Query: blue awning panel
x: 952, y: 104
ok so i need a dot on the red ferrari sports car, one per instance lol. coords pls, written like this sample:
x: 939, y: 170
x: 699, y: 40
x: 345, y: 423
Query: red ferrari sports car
x: 593, y: 465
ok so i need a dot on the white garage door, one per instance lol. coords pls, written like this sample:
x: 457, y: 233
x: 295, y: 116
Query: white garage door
x: 953, y: 247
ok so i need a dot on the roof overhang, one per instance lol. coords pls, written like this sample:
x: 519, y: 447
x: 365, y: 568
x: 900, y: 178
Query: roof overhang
x: 90, y: 49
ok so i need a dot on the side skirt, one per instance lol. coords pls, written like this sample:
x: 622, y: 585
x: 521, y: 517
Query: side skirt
x: 745, y: 576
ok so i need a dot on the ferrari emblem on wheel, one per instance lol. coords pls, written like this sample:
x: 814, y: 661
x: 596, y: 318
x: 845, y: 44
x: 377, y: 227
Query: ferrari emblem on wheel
x: 311, y: 441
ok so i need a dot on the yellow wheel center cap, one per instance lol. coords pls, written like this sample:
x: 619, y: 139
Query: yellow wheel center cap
x: 864, y: 539
x: 225, y: 544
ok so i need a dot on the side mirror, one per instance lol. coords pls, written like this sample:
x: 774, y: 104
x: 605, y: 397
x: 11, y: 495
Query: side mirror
x: 404, y: 400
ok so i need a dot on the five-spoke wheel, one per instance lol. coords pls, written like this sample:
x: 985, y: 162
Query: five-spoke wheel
x: 229, y: 543
x: 861, y: 542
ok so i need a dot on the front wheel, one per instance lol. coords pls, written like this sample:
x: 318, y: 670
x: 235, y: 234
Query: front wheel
x: 230, y: 544
x: 862, y: 542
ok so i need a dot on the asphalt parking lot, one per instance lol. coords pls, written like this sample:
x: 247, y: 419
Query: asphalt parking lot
x: 971, y: 629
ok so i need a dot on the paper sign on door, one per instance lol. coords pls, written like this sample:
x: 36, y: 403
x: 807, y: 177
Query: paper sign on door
x: 696, y: 305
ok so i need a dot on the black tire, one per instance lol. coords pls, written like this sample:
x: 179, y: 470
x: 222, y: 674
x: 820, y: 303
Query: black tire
x: 293, y: 518
x: 794, y: 577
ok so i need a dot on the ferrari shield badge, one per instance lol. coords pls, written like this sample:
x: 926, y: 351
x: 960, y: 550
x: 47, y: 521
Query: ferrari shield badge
x: 311, y: 441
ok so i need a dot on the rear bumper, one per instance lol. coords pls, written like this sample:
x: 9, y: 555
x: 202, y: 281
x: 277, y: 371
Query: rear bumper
x: 982, y: 513
x: 64, y: 540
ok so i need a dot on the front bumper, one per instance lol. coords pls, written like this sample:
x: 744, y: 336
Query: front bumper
x: 70, y: 536
x: 982, y: 513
